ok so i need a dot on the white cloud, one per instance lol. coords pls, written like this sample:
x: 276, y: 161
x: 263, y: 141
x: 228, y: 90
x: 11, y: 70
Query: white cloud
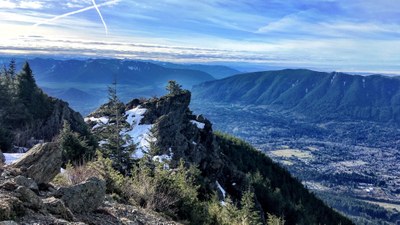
x: 5, y: 4
x: 24, y: 4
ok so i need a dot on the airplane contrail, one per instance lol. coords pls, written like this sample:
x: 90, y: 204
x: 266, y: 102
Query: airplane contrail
x: 95, y: 6
x: 101, y: 16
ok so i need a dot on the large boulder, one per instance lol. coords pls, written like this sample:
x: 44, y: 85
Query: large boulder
x: 57, y: 207
x: 29, y: 198
x: 84, y: 197
x: 41, y: 163
x: 10, y: 207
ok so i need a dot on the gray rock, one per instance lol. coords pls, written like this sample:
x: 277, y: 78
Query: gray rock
x: 9, y: 185
x: 10, y: 207
x: 29, y: 198
x: 57, y: 207
x: 26, y: 182
x: 84, y: 197
x: 42, y: 162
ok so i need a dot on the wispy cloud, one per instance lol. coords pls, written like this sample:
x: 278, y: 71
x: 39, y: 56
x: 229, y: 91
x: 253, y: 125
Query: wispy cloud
x: 25, y: 4
x: 357, y: 34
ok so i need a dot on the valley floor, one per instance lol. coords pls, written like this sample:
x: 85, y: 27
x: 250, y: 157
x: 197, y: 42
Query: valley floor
x: 356, y: 160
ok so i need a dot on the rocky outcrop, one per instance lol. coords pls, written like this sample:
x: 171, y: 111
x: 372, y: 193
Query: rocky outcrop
x: 45, y: 129
x: 41, y: 163
x: 178, y: 131
x: 83, y: 197
x: 56, y: 206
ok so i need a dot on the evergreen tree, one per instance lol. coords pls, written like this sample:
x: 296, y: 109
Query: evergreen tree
x: 12, y: 68
x: 174, y: 88
x: 117, y: 147
x: 30, y: 96
x: 26, y: 85
x: 75, y: 148
x: 249, y: 213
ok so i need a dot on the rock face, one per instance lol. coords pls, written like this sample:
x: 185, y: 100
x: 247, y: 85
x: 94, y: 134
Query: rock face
x: 41, y: 163
x: 177, y: 130
x: 48, y: 127
x: 83, y: 197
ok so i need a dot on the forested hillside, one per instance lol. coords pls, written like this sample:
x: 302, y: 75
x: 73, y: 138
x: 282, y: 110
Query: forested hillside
x: 317, y: 95
x: 27, y: 115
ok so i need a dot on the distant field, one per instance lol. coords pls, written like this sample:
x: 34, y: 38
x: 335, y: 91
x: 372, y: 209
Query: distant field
x: 385, y: 205
x: 288, y: 153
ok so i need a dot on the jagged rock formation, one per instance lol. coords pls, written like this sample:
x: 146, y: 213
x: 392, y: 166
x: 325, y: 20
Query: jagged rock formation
x: 45, y: 129
x: 41, y: 163
x: 187, y: 136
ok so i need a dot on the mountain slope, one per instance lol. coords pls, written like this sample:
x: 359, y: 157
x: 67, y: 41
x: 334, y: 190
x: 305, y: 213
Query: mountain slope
x: 216, y: 71
x: 316, y: 94
x: 106, y: 70
x: 28, y: 116
x: 166, y: 130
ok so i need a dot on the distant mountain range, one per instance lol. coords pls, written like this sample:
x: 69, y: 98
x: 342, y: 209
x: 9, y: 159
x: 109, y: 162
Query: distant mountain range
x: 216, y: 71
x: 318, y: 95
x: 106, y: 70
x: 83, y: 82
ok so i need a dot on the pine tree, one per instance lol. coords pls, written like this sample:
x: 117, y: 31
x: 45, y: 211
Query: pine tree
x: 26, y: 85
x: 174, y: 88
x: 117, y: 147
x: 12, y: 68
x: 75, y: 148
x: 249, y: 213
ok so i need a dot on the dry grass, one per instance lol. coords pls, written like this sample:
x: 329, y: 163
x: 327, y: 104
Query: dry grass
x: 288, y: 153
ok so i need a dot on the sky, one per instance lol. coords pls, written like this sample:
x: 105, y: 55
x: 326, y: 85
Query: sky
x: 340, y: 35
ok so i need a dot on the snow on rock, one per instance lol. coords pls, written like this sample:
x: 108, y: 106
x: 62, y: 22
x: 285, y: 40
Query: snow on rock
x: 162, y: 158
x: 198, y: 124
x: 140, y: 133
x: 12, y: 157
x: 221, y: 189
x: 102, y: 119
x: 102, y: 142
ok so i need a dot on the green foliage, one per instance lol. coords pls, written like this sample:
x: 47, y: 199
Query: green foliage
x: 173, y: 192
x: 113, y: 178
x: 274, y: 220
x: 174, y: 88
x: 117, y: 147
x: 76, y: 149
x: 227, y: 213
x: 277, y: 192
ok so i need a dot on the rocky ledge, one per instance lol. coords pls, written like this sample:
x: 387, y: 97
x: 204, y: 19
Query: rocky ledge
x: 27, y: 197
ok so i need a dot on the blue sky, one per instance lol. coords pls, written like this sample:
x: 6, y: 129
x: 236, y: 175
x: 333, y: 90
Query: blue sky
x: 342, y: 35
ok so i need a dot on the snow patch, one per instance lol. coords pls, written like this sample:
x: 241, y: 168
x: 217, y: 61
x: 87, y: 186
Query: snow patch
x: 12, y: 157
x: 198, y: 124
x: 221, y: 189
x: 162, y: 158
x: 140, y: 133
x: 103, y: 119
